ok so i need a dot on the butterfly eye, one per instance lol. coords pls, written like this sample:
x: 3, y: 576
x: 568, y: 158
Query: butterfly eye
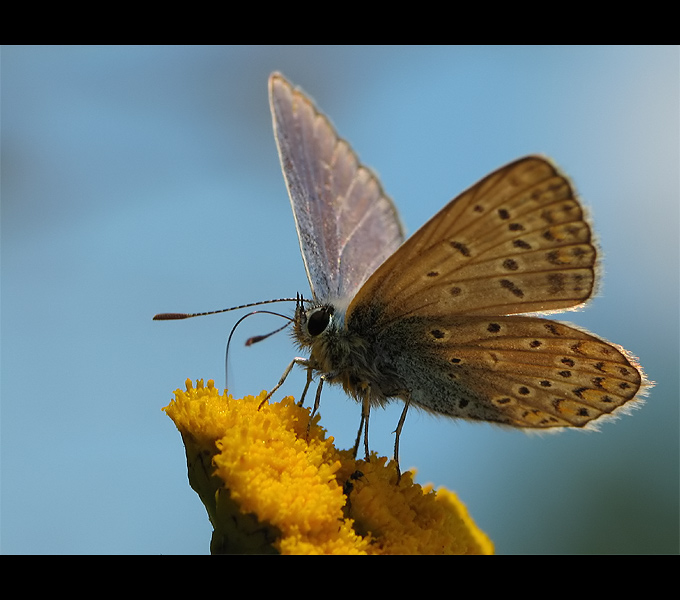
x: 318, y: 320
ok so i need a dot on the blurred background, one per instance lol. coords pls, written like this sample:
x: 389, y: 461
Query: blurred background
x: 144, y: 179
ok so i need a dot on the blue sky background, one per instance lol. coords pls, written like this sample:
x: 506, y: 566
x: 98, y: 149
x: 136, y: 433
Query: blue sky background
x: 144, y: 179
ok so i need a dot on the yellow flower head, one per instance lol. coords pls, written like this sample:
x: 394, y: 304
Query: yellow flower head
x: 273, y: 483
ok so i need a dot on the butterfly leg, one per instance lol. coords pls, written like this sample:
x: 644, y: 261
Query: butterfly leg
x: 366, y: 409
x: 400, y: 425
x: 363, y: 424
x: 317, y: 400
x: 304, y: 392
x: 358, y: 440
x: 298, y: 360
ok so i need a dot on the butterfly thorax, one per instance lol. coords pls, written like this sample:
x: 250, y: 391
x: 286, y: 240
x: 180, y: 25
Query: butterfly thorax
x: 344, y: 356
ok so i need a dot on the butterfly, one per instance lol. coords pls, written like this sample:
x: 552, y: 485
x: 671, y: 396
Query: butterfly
x: 439, y: 320
x: 436, y: 320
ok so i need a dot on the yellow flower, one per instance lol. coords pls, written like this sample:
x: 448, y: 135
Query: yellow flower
x: 273, y: 483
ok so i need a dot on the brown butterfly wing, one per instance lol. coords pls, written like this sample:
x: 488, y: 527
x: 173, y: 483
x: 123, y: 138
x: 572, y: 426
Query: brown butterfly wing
x: 515, y: 242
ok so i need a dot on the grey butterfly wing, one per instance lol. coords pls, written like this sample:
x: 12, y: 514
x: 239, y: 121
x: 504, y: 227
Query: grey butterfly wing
x: 347, y: 226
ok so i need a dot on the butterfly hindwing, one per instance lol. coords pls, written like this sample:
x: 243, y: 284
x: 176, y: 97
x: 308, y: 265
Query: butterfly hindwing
x: 520, y: 371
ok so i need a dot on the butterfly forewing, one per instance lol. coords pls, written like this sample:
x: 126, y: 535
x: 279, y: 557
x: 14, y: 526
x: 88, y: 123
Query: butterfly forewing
x: 346, y: 224
x: 515, y: 242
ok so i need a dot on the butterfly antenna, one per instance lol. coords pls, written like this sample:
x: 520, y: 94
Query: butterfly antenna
x: 259, y: 338
x: 177, y: 316
x: 254, y: 339
x: 299, y: 301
